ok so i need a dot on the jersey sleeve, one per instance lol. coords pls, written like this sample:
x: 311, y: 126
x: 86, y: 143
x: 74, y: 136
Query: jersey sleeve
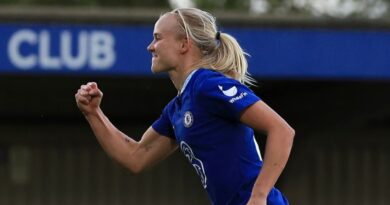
x: 163, y: 124
x: 225, y: 97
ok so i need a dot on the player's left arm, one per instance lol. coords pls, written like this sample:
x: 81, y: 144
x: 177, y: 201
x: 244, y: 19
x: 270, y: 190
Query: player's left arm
x: 280, y: 136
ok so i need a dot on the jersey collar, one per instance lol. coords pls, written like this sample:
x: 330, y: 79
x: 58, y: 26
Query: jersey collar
x: 187, y: 80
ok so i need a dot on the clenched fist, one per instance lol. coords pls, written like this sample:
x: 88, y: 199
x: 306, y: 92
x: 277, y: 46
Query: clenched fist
x: 88, y: 98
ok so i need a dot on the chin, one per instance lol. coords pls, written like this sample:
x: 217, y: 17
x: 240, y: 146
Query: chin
x: 155, y: 70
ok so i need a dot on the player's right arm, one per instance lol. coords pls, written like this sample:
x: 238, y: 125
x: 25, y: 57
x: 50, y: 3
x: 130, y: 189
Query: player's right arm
x: 136, y: 156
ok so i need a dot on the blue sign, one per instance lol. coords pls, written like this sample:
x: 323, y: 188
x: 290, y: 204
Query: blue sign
x: 78, y: 49
x: 121, y: 50
x: 317, y: 53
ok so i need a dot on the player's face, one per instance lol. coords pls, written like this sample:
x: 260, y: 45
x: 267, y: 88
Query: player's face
x: 165, y: 47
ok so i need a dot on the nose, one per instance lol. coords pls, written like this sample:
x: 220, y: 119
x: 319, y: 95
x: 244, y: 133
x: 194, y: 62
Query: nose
x: 150, y: 47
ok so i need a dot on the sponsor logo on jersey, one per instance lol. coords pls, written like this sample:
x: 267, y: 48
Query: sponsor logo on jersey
x: 196, y: 163
x: 188, y: 119
x: 239, y: 97
x: 229, y: 92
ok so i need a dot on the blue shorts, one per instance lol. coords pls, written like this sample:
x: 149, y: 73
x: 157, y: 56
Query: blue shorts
x: 275, y: 197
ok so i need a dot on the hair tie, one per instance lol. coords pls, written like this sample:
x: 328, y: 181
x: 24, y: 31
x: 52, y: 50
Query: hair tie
x: 218, y: 35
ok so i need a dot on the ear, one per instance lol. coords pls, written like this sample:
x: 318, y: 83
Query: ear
x: 185, y: 45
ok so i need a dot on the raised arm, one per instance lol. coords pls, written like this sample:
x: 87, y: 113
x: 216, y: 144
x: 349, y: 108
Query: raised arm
x: 136, y: 156
x: 277, y: 150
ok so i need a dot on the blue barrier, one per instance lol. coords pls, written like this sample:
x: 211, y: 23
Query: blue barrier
x: 121, y: 50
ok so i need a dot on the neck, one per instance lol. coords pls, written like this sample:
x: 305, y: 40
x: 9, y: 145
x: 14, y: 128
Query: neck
x: 188, y: 64
x: 179, y: 76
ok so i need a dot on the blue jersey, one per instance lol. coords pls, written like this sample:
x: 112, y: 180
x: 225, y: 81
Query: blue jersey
x: 204, y: 120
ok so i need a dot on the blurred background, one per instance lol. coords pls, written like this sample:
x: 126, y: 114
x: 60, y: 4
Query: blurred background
x: 323, y: 65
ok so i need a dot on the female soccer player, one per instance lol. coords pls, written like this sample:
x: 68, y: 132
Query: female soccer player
x: 211, y: 119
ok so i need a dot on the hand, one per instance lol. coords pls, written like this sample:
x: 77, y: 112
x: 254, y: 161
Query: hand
x: 257, y: 201
x: 88, y: 98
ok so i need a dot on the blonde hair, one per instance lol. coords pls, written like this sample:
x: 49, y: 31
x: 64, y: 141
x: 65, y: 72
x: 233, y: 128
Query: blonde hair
x: 220, y: 51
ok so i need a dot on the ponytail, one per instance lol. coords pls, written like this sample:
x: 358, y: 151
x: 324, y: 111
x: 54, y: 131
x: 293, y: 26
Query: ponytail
x: 229, y: 58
